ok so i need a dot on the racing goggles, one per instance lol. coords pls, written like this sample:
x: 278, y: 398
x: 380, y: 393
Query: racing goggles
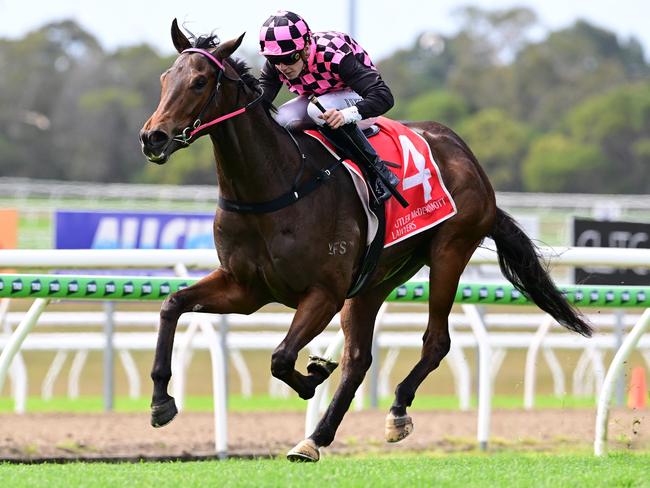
x: 286, y: 59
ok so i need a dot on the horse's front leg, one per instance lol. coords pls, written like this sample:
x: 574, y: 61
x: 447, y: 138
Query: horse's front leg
x: 216, y: 293
x: 313, y: 314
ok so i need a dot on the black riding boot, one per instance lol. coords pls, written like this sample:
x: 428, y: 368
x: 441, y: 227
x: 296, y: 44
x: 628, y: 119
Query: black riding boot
x: 361, y: 151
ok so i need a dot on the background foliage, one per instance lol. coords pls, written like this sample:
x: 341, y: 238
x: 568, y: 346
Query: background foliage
x: 566, y: 113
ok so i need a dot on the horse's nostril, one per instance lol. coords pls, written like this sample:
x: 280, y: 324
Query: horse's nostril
x: 158, y: 138
x: 154, y: 139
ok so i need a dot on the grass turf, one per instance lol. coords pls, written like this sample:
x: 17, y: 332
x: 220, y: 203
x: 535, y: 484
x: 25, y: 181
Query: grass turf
x: 259, y: 403
x: 466, y: 470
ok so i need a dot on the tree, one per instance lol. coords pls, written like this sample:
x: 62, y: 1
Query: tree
x: 138, y: 69
x: 71, y: 110
x: 31, y: 97
x: 421, y: 68
x: 440, y: 105
x: 494, y: 37
x: 570, y: 66
x: 500, y: 143
x: 557, y: 163
x: 483, y: 51
x: 95, y: 156
x: 618, y: 123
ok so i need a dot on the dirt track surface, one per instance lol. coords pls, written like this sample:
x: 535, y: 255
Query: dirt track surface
x: 115, y: 436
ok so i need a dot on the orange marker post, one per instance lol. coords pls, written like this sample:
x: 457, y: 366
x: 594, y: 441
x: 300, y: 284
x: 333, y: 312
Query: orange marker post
x: 8, y: 228
x: 8, y: 231
x: 637, y: 397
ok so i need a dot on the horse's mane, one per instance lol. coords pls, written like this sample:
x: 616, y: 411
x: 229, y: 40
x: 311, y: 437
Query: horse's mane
x: 207, y: 41
x: 210, y: 41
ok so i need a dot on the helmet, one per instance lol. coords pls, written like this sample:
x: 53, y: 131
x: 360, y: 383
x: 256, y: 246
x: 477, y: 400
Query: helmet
x: 283, y: 33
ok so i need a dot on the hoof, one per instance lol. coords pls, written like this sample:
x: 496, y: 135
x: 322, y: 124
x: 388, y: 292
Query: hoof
x: 321, y: 366
x: 305, y: 451
x: 164, y: 413
x: 307, y: 394
x: 397, y: 428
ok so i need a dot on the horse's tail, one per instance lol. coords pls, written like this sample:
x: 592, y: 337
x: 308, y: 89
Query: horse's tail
x: 520, y: 263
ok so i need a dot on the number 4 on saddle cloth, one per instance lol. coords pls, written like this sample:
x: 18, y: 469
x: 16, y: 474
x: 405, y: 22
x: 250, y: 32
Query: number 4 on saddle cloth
x: 420, y: 183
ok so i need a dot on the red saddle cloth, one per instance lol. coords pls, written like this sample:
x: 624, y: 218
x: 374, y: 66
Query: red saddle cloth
x: 420, y: 181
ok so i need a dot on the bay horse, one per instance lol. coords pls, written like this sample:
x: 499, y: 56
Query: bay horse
x: 283, y: 254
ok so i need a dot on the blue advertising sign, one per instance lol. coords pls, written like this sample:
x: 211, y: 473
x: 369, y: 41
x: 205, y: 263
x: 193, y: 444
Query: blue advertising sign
x: 133, y: 230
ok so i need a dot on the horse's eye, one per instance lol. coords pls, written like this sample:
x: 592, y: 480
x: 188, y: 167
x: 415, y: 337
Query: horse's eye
x: 199, y: 83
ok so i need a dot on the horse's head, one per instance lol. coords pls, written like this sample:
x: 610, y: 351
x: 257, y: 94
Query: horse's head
x: 192, y: 92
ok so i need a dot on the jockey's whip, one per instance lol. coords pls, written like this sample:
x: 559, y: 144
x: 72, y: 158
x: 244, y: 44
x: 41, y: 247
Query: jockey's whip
x: 398, y: 196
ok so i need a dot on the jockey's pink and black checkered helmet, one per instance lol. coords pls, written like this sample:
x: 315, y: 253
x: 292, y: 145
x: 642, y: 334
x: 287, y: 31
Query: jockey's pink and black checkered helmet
x: 283, y: 34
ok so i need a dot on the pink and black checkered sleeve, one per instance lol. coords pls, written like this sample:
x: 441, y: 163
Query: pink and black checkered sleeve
x: 367, y: 82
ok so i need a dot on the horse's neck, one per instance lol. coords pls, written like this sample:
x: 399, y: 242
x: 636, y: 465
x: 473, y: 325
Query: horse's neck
x: 255, y: 160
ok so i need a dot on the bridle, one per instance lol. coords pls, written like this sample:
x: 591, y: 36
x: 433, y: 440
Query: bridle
x: 298, y: 190
x: 185, y: 137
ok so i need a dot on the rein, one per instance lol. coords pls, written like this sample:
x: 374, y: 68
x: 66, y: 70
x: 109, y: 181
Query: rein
x: 295, y: 193
x: 197, y: 126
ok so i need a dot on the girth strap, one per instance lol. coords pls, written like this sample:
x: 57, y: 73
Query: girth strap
x: 371, y: 256
x: 284, y: 200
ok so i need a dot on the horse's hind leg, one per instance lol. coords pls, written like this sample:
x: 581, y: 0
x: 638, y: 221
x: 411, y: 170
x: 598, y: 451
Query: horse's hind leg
x: 448, y: 259
x: 216, y: 293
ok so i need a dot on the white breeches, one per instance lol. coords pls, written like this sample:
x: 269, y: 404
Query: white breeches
x: 300, y: 110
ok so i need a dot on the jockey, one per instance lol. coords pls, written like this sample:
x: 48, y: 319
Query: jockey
x: 335, y: 67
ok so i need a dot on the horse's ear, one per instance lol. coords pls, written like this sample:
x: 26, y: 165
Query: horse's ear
x: 181, y: 42
x: 226, y: 49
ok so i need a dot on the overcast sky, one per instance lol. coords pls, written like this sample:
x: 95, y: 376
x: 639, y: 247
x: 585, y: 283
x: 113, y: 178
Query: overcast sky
x: 382, y: 25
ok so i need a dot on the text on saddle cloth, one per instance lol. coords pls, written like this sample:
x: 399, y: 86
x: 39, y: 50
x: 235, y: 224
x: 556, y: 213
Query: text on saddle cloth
x: 420, y: 181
